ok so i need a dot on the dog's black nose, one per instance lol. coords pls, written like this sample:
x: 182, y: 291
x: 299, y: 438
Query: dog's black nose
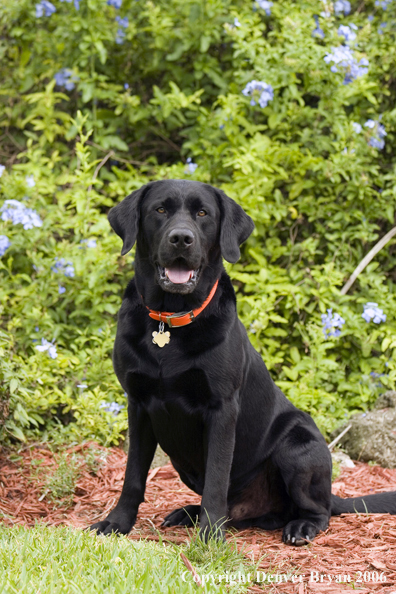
x: 181, y: 238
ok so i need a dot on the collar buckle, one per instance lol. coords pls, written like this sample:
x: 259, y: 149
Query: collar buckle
x: 177, y: 316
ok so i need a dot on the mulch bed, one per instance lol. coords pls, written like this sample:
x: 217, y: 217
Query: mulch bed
x: 352, y: 545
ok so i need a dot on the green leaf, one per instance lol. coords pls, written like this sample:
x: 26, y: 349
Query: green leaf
x: 386, y: 343
x: 25, y: 57
x: 113, y: 142
x: 102, y: 51
x: 291, y: 373
x: 14, y: 385
x: 177, y: 53
x: 295, y: 355
x: 16, y: 431
x: 205, y: 43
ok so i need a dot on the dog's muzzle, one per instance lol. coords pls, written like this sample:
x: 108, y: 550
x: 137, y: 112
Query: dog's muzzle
x: 178, y: 277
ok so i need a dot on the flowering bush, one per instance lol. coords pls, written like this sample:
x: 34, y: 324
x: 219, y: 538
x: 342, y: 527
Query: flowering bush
x: 261, y: 91
x: 288, y: 107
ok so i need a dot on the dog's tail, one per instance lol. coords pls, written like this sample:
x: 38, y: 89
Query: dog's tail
x: 379, y: 503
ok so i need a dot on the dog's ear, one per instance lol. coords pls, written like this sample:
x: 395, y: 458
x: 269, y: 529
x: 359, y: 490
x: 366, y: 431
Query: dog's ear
x: 236, y: 226
x: 124, y: 218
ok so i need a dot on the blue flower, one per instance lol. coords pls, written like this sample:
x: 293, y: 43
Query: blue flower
x: 236, y: 22
x: 190, y: 166
x: 345, y: 151
x: 357, y: 127
x: 317, y: 31
x: 44, y: 8
x: 126, y: 86
x: 115, y: 3
x: 383, y: 3
x: 30, y: 181
x: 376, y: 374
x: 356, y: 70
x: 47, y: 346
x: 120, y: 36
x: 4, y: 244
x: 75, y: 2
x: 120, y: 33
x: 265, y: 5
x: 377, y: 139
x: 91, y: 243
x: 82, y: 386
x: 66, y: 78
x: 343, y: 56
x: 61, y: 290
x: 342, y: 6
x: 332, y: 323
x: 377, y: 143
x: 346, y: 32
x: 327, y: 9
x: 259, y: 91
x: 16, y: 212
x: 370, y: 17
x: 122, y: 22
x: 373, y: 312
x: 2, y: 169
x: 62, y: 266
x: 112, y: 407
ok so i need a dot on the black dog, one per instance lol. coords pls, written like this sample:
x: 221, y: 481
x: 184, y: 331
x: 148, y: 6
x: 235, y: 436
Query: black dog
x: 199, y: 389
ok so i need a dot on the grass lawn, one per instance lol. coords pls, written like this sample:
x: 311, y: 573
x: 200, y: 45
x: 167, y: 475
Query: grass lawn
x: 47, y: 560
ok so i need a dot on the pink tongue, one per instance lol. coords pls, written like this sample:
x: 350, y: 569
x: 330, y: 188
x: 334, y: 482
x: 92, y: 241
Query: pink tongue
x: 178, y: 275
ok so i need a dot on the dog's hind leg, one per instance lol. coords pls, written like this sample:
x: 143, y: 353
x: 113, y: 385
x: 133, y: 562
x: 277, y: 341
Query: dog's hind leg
x: 305, y: 466
x: 183, y: 516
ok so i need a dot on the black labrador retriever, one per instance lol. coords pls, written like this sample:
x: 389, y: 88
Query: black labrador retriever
x: 198, y: 387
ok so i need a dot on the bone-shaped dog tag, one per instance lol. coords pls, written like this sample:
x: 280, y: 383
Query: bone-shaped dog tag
x: 161, y: 338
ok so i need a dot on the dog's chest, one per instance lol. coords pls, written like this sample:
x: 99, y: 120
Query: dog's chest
x: 177, y: 406
x: 159, y: 389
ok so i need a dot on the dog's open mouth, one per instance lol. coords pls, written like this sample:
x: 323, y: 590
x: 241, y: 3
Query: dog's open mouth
x: 178, y: 277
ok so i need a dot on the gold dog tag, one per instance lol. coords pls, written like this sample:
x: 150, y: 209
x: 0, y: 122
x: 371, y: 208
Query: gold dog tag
x: 161, y: 338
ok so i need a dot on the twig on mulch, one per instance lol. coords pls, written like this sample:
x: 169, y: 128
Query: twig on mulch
x: 191, y: 569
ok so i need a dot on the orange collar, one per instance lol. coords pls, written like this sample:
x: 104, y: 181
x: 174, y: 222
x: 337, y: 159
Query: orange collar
x: 183, y: 318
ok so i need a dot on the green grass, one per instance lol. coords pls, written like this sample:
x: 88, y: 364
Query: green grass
x: 52, y: 560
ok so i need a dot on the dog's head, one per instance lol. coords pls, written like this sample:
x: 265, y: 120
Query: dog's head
x: 180, y: 227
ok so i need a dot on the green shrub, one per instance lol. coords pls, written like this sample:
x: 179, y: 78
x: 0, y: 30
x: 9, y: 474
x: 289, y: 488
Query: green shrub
x: 308, y: 167
x: 61, y: 484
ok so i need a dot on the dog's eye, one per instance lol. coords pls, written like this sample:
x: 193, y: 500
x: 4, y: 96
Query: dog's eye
x: 161, y: 210
x: 202, y: 213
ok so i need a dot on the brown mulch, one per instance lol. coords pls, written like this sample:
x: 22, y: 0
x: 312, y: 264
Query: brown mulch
x: 352, y: 545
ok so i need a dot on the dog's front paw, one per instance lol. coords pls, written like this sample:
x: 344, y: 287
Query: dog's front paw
x: 118, y: 524
x: 184, y: 516
x: 299, y: 532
